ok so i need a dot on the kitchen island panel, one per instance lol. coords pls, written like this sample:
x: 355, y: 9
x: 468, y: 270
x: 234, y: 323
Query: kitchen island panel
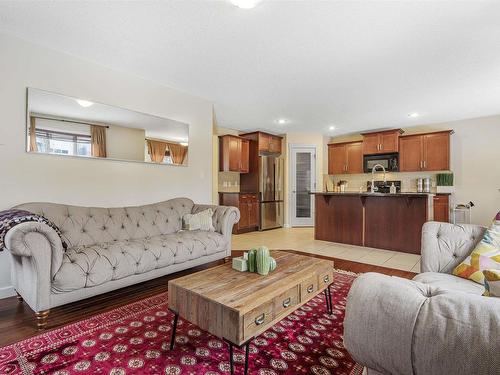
x: 395, y: 223
x: 339, y: 219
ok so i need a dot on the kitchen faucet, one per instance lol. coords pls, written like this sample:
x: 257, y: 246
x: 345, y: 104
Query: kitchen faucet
x: 373, y: 188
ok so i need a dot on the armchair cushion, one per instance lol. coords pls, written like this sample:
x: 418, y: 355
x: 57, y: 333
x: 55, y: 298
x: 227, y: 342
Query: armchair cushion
x: 486, y: 255
x: 445, y: 281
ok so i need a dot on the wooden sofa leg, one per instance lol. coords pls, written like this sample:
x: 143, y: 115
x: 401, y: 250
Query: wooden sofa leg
x: 41, y: 318
x: 227, y: 259
x: 19, y: 297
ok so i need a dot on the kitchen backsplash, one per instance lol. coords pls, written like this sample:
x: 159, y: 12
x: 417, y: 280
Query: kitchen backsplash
x: 357, y: 181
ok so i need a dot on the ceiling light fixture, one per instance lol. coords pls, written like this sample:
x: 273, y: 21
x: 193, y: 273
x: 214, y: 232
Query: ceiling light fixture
x: 281, y: 121
x: 245, y: 4
x: 84, y: 103
x: 331, y: 127
x: 413, y: 114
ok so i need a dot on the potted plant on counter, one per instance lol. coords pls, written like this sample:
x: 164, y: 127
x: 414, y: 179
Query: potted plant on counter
x: 444, y: 183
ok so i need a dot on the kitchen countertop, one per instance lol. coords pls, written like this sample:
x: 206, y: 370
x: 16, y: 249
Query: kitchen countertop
x: 367, y: 194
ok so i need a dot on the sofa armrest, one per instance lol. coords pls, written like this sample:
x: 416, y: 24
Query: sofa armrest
x: 37, y: 254
x: 380, y: 315
x: 397, y: 326
x: 445, y: 245
x: 224, y: 217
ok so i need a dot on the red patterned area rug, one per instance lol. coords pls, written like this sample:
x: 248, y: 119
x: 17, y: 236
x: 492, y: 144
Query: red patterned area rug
x: 133, y: 340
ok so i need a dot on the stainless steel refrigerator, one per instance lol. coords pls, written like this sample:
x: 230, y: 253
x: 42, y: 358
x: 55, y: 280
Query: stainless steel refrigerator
x: 271, y: 183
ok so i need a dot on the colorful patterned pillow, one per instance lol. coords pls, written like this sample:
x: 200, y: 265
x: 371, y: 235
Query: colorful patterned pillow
x: 492, y: 283
x: 485, y: 256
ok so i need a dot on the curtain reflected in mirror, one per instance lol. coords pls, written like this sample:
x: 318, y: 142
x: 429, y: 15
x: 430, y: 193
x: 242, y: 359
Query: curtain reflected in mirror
x: 67, y: 126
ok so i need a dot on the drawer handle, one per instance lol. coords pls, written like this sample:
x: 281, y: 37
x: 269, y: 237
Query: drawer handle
x: 310, y: 288
x: 326, y: 278
x: 260, y: 319
x: 287, y: 302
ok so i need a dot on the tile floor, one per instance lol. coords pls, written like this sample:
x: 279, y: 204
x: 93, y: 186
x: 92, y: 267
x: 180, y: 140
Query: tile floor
x: 303, y: 239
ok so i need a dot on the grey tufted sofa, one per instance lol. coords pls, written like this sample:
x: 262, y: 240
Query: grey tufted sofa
x: 108, y: 248
x: 436, y: 323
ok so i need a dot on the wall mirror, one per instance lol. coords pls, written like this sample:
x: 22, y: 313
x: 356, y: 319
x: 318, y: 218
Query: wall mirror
x: 67, y: 126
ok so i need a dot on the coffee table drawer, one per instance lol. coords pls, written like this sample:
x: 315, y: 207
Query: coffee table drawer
x: 325, y: 278
x: 308, y: 288
x: 285, y: 301
x: 257, y: 318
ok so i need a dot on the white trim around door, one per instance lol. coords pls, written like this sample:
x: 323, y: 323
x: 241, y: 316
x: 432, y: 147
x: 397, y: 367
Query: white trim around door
x: 302, y: 180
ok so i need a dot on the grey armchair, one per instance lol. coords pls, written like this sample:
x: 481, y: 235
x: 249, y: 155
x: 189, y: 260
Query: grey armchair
x: 436, y: 323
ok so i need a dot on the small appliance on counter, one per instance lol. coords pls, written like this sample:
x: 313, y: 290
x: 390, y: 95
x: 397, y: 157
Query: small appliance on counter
x: 462, y: 213
x: 423, y: 185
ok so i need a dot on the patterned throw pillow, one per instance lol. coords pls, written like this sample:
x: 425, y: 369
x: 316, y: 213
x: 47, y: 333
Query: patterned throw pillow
x: 200, y: 221
x: 492, y: 283
x: 485, y: 256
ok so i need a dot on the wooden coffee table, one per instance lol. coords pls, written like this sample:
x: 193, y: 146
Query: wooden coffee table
x: 238, y: 306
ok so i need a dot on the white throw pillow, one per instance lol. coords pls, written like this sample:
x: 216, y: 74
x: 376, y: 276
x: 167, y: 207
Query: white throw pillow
x: 200, y: 221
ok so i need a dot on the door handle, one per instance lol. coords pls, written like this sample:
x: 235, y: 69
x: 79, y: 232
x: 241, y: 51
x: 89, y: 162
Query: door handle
x: 425, y: 164
x: 287, y: 302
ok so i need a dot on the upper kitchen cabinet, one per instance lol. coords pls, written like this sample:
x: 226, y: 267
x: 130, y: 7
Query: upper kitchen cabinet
x: 267, y: 143
x: 425, y: 152
x: 233, y: 154
x: 345, y: 158
x: 384, y: 142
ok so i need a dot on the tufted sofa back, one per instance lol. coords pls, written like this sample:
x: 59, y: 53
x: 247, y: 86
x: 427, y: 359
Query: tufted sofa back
x: 85, y: 226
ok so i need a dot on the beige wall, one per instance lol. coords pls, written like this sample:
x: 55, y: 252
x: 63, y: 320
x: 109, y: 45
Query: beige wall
x: 125, y: 143
x: 34, y: 177
x: 475, y: 156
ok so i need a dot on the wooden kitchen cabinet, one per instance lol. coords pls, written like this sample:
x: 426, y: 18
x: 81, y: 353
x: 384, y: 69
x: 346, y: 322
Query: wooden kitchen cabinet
x: 248, y: 204
x: 267, y: 143
x: 345, y: 158
x: 385, y: 142
x: 425, y: 152
x: 233, y: 154
x: 441, y: 208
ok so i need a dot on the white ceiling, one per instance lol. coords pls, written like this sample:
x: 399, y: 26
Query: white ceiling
x: 355, y: 64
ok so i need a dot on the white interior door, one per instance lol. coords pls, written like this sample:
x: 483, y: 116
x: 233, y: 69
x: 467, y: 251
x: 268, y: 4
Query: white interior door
x: 302, y: 182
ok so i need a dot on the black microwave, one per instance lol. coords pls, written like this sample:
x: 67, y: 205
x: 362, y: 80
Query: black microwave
x: 389, y: 161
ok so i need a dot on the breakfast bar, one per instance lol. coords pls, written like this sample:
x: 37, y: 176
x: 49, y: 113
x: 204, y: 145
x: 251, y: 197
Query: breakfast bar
x: 379, y: 220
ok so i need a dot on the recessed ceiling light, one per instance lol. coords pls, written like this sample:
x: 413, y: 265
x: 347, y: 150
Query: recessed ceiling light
x: 245, y: 4
x: 281, y: 121
x: 413, y: 114
x: 84, y: 103
x: 331, y: 127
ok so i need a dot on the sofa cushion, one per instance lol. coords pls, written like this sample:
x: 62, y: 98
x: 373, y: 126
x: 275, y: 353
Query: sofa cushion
x: 88, y: 266
x: 492, y: 283
x: 199, y: 221
x: 486, y: 255
x: 449, y: 282
x: 85, y: 226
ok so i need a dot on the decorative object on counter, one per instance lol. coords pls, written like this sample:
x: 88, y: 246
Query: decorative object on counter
x: 427, y: 185
x: 251, y: 260
x: 462, y: 213
x: 240, y: 264
x: 444, y: 183
x: 342, y: 184
x: 420, y: 185
x: 384, y: 187
x: 392, y: 189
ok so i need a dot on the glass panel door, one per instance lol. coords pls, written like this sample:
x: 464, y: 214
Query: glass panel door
x: 303, y: 181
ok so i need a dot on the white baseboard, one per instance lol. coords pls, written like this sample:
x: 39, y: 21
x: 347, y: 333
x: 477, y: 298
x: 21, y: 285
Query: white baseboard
x: 286, y: 225
x: 7, y: 291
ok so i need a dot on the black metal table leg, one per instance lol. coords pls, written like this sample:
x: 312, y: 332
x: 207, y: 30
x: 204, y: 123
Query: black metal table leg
x: 231, y: 363
x: 174, y: 328
x: 247, y: 349
x: 328, y: 299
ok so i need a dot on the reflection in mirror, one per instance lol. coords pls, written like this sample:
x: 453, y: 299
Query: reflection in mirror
x: 63, y: 125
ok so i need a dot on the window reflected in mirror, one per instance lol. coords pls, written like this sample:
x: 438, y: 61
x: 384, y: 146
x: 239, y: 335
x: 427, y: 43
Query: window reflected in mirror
x: 67, y: 126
